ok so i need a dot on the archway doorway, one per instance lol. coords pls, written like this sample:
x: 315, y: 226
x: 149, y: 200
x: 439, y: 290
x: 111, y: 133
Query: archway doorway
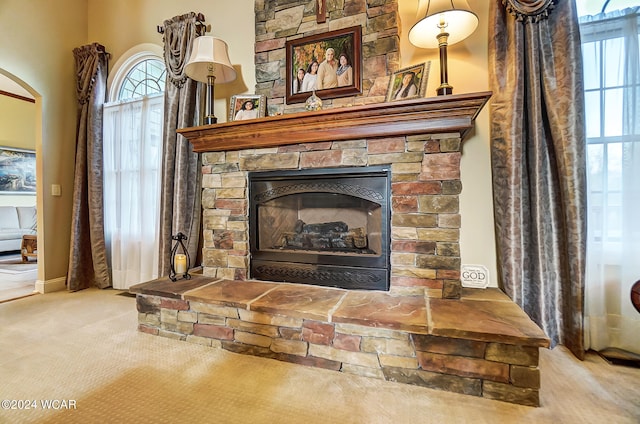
x: 18, y: 195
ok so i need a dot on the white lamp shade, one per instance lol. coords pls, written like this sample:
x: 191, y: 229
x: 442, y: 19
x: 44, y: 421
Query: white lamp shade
x: 210, y: 57
x: 458, y: 17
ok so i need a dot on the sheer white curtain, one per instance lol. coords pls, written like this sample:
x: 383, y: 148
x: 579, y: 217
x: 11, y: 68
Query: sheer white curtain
x: 612, y: 90
x: 132, y: 161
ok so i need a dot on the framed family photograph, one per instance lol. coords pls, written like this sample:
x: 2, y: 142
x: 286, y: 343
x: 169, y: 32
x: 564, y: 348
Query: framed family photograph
x: 408, y: 83
x: 17, y: 171
x: 246, y: 106
x: 329, y: 64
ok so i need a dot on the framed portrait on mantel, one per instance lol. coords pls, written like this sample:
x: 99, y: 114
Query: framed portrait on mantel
x: 329, y: 64
x: 408, y: 83
x: 246, y: 106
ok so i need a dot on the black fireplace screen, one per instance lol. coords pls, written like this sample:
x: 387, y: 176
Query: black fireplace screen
x: 325, y: 227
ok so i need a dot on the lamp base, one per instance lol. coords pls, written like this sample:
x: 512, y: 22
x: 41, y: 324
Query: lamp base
x: 209, y: 117
x: 444, y: 89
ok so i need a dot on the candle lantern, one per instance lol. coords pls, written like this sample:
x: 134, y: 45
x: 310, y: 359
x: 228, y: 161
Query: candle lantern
x: 179, y: 259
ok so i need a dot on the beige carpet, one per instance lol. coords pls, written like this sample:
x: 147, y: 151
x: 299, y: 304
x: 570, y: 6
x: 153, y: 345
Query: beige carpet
x: 84, y: 347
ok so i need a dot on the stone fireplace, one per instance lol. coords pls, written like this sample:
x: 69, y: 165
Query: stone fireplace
x: 418, y: 141
x: 425, y: 330
x: 266, y: 184
x: 327, y: 226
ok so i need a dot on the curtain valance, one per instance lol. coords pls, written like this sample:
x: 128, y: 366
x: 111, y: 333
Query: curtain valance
x: 529, y: 10
x: 179, y: 33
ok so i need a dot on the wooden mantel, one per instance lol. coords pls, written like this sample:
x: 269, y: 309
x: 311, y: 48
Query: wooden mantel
x: 442, y: 114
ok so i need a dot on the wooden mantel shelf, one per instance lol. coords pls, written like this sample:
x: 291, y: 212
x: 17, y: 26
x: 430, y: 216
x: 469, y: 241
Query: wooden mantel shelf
x: 455, y: 113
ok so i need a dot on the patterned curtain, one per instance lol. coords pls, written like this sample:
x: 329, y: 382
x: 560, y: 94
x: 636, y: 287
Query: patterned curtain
x: 87, y: 257
x: 538, y: 162
x: 180, y: 207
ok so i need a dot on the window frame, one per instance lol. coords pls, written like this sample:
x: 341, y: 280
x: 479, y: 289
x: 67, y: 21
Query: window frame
x: 126, y: 63
x: 599, y: 31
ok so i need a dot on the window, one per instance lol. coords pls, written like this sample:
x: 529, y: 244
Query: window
x: 612, y: 89
x: 147, y: 77
x: 132, y: 161
x: 611, y: 56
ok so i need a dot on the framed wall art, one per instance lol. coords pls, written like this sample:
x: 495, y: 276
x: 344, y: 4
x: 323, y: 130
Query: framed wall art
x: 329, y: 64
x: 17, y: 171
x: 246, y: 106
x: 408, y: 83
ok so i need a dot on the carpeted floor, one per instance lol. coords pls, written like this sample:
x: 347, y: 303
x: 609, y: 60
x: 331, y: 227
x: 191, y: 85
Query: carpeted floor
x: 83, y: 347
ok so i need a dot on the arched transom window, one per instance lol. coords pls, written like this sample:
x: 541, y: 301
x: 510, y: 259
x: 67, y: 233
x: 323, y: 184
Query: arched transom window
x: 145, y: 78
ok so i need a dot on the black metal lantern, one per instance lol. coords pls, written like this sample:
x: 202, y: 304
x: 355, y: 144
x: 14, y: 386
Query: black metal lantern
x: 179, y: 261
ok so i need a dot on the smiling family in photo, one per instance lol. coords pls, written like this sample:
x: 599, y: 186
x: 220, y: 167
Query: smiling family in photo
x: 332, y: 72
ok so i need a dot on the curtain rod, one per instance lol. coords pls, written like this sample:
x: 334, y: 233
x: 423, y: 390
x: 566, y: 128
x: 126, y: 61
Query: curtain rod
x: 201, y: 27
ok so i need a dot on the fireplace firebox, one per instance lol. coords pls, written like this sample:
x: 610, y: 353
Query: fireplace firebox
x: 327, y: 227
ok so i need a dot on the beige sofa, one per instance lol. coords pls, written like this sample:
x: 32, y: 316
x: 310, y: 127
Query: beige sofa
x: 16, y: 221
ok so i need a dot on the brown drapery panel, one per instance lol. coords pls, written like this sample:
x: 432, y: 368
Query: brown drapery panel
x: 538, y: 162
x: 180, y: 207
x: 87, y: 257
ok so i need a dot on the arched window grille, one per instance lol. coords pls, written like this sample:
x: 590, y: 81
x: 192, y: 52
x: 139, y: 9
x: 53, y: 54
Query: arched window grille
x: 145, y: 78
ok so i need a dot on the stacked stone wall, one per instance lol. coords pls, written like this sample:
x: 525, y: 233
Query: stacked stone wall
x: 488, y: 369
x: 425, y: 219
x: 280, y: 21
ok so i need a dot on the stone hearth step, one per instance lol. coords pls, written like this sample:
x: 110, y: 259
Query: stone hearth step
x: 481, y: 344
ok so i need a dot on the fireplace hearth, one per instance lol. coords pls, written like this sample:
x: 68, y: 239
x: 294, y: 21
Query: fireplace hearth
x: 425, y: 330
x: 327, y: 227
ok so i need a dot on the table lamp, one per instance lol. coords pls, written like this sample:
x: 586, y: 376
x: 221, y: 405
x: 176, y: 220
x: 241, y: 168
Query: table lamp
x: 445, y: 22
x: 209, y: 62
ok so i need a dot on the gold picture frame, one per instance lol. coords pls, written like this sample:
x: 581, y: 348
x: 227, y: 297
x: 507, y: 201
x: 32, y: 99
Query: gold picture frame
x: 415, y: 82
x: 239, y: 107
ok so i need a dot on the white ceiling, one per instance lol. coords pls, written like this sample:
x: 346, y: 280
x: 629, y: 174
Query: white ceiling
x: 12, y: 87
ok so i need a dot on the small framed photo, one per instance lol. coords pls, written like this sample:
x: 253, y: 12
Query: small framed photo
x: 247, y: 106
x: 408, y: 83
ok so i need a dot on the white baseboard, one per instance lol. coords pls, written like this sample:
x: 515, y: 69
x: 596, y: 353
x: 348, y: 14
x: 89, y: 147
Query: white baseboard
x: 48, y: 286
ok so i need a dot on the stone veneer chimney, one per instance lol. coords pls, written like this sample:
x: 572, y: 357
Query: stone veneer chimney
x: 282, y: 20
x: 425, y: 223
